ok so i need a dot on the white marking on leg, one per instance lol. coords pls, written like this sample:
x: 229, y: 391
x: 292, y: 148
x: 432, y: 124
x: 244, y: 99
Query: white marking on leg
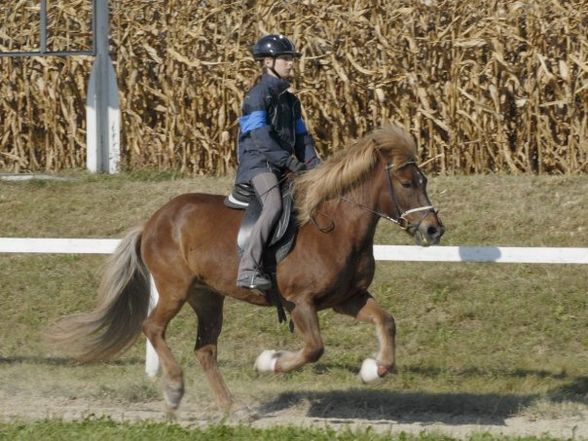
x: 266, y: 362
x: 369, y: 371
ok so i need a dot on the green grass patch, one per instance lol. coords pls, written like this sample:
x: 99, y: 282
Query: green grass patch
x: 105, y: 429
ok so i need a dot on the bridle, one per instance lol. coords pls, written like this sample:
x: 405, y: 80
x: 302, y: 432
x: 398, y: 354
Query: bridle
x: 400, y: 218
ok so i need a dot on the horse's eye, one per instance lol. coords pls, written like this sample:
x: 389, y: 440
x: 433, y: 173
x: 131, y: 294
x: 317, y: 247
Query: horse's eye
x: 406, y: 184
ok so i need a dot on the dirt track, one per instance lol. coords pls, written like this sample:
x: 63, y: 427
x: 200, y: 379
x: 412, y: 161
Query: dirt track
x: 346, y: 409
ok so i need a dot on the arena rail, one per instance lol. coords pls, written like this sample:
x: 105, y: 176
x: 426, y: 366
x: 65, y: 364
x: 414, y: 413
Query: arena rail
x: 410, y: 253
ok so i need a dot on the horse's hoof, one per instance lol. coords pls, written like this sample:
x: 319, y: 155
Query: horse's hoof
x: 369, y: 371
x: 173, y: 395
x: 266, y: 362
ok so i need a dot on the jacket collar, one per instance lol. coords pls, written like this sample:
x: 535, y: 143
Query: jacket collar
x: 276, y: 85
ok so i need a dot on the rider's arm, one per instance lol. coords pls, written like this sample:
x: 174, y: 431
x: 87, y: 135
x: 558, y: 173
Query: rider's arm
x: 304, y: 147
x: 254, y: 123
x: 305, y: 150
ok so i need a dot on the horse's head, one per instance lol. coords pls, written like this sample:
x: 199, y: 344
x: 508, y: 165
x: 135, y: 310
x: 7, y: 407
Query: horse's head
x: 406, y: 201
x: 385, y: 161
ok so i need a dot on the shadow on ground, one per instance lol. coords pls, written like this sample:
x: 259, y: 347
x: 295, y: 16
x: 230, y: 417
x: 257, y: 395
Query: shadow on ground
x: 421, y: 407
x: 403, y: 407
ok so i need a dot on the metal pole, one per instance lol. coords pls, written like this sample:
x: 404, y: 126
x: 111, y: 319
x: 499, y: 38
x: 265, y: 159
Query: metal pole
x: 102, y: 104
x: 47, y: 54
x: 43, y: 26
x: 94, y: 7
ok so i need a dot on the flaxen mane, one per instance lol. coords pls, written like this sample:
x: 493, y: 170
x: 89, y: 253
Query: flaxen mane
x: 348, y: 167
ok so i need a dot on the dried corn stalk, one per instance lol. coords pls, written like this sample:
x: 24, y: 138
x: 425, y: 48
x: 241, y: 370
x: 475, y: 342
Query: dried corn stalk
x: 484, y: 86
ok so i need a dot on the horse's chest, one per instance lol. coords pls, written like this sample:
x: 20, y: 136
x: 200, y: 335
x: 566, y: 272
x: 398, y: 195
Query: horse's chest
x: 358, y: 273
x: 355, y: 277
x: 363, y: 271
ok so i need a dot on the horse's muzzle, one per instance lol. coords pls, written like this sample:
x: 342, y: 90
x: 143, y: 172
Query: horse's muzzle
x: 427, y: 232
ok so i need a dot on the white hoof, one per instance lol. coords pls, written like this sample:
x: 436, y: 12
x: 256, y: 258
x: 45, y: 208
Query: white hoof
x: 266, y: 362
x: 369, y: 371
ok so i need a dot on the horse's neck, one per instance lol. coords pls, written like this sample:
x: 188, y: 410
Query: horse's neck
x: 354, y: 212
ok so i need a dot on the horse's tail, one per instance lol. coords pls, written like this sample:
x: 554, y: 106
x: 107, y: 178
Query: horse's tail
x: 116, y: 322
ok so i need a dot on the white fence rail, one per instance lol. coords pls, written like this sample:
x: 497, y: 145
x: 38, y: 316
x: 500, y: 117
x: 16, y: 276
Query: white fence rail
x: 381, y: 252
x: 546, y: 255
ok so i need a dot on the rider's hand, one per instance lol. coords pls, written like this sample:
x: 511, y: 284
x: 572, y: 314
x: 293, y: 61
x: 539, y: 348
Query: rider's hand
x: 296, y: 166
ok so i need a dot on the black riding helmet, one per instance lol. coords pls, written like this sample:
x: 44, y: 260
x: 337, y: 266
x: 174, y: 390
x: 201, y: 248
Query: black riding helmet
x: 274, y: 45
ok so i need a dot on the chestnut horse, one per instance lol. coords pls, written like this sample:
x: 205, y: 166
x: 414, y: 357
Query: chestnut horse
x: 189, y: 247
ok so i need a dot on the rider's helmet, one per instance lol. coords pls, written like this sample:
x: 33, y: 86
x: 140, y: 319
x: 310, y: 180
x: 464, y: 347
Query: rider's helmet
x: 274, y: 45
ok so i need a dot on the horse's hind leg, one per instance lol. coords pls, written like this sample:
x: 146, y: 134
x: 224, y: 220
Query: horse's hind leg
x: 364, y: 308
x: 209, y: 309
x: 172, y: 296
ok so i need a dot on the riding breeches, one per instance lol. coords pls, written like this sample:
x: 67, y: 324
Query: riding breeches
x: 268, y: 191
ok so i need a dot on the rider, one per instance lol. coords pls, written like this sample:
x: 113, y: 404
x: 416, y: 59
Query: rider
x: 272, y: 141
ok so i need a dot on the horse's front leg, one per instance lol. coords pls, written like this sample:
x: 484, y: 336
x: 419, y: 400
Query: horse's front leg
x: 364, y: 308
x: 306, y: 323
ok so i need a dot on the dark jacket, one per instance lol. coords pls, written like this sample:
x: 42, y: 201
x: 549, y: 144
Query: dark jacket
x: 272, y: 133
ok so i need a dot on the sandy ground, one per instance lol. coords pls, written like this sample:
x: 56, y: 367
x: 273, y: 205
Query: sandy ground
x: 340, y: 411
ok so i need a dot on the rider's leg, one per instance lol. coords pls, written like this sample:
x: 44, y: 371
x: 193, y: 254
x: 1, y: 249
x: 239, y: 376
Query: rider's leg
x: 268, y: 190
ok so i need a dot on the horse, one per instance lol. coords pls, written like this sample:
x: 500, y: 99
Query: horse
x: 189, y: 248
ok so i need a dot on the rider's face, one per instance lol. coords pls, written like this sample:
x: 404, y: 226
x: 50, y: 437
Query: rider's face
x: 284, y: 65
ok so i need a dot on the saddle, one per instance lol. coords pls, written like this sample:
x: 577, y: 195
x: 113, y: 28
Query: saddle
x: 243, y: 197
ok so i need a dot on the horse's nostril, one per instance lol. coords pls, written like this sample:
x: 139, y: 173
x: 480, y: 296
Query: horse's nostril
x: 434, y: 232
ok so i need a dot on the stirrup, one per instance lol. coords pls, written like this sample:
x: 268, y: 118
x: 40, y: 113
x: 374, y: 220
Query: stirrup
x: 254, y: 281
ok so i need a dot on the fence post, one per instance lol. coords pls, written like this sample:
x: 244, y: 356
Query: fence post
x: 102, y: 103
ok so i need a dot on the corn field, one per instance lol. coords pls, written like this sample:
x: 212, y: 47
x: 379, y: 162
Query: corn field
x: 483, y: 85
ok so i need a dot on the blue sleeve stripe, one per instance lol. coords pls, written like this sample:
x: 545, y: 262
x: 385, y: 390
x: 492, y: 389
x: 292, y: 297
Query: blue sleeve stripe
x: 253, y: 120
x: 300, y: 127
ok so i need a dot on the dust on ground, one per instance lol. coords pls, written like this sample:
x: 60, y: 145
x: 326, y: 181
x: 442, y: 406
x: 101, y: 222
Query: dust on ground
x: 338, y: 410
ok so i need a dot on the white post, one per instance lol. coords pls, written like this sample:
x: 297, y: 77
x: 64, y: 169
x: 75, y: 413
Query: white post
x: 151, y: 358
x: 102, y: 104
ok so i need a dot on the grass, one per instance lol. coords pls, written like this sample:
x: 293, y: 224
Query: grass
x: 102, y: 429
x: 484, y: 341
